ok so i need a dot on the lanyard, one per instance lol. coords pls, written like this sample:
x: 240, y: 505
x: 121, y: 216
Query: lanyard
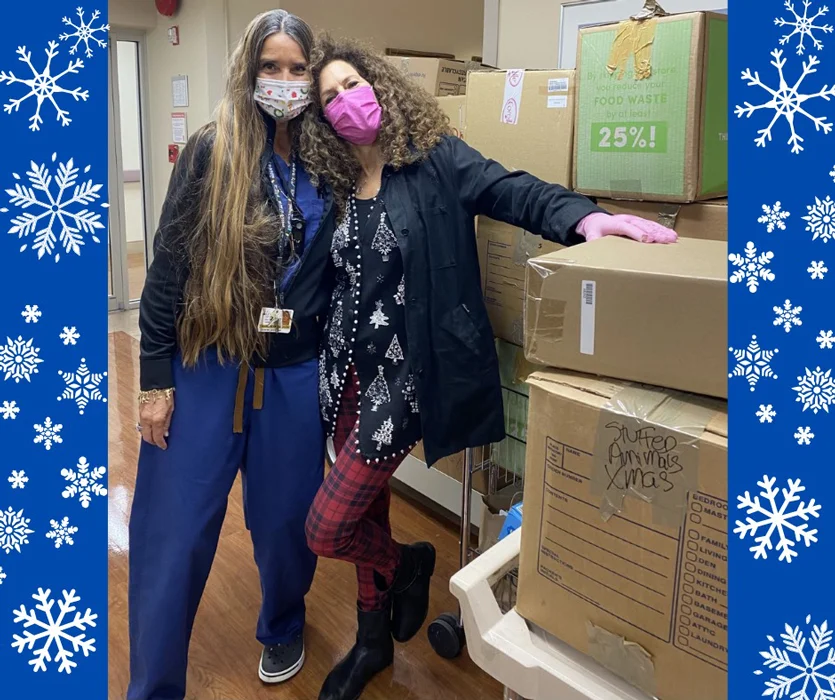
x: 286, y: 218
x: 290, y: 196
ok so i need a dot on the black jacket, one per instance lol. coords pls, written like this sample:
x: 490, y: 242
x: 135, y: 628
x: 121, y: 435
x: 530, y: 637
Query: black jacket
x: 432, y: 206
x: 308, y: 294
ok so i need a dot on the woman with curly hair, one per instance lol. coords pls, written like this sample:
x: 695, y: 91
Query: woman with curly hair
x: 408, y: 350
x: 230, y: 322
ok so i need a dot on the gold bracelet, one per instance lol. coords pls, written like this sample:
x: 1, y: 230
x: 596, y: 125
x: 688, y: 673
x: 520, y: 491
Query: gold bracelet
x: 152, y: 395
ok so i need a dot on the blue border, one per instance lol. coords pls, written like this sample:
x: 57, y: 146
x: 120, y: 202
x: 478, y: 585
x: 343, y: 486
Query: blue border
x: 781, y: 608
x: 63, y: 162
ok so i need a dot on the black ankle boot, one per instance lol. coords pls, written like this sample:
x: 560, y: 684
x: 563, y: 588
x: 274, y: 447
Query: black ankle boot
x: 410, y: 590
x: 373, y: 652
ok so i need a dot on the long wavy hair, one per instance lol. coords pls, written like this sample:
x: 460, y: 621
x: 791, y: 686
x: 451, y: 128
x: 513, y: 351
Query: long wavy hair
x: 412, y: 121
x: 231, y: 247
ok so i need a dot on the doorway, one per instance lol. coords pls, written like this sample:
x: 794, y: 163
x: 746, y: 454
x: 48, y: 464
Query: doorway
x: 129, y: 181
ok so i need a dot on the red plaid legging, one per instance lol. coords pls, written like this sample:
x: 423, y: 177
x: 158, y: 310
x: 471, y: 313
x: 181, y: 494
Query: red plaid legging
x: 349, y: 518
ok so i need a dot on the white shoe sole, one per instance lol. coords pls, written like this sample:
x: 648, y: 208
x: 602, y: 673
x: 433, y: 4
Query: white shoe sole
x: 284, y: 675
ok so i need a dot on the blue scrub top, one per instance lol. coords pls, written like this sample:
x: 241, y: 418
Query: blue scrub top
x: 312, y: 207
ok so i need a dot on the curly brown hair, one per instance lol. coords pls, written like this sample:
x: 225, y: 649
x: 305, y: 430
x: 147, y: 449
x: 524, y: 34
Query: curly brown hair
x: 412, y: 121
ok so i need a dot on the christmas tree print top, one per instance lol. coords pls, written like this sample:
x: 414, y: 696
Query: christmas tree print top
x: 367, y: 328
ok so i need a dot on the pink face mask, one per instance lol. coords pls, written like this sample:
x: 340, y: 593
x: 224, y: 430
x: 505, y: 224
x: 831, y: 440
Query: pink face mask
x: 355, y: 115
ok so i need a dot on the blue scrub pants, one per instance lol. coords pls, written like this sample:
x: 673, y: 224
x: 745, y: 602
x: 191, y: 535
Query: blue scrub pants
x: 180, y: 502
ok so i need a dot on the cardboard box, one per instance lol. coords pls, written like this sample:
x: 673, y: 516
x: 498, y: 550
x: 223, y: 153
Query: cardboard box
x: 705, y: 220
x: 504, y: 252
x: 524, y: 120
x: 438, y: 76
x: 514, y: 370
x: 624, y: 542
x: 652, y: 109
x: 453, y: 466
x: 655, y: 314
x: 455, y: 107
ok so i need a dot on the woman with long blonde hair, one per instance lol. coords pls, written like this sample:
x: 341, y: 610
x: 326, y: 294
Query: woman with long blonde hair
x: 409, y: 352
x: 230, y: 322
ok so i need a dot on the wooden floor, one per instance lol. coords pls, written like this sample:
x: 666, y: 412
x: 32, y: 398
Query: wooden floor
x: 224, y: 651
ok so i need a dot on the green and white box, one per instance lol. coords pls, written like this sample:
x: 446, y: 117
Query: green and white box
x: 652, y: 109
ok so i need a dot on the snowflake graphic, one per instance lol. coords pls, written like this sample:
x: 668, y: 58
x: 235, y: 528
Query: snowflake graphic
x: 786, y: 101
x: 65, y: 632
x: 766, y: 414
x: 66, y: 206
x: 2, y: 576
x: 48, y: 434
x: 817, y: 269
x: 809, y: 679
x: 69, y: 335
x: 751, y: 267
x: 777, y: 519
x: 18, y: 479
x: 803, y: 26
x: 804, y: 436
x: 62, y: 533
x: 14, y: 530
x: 821, y: 219
x: 19, y: 360
x: 826, y: 340
x: 31, y: 314
x: 9, y: 410
x: 84, y: 482
x: 774, y: 217
x: 816, y: 390
x: 788, y: 316
x: 753, y: 363
x: 43, y: 86
x: 85, y: 32
x: 832, y: 174
x: 82, y: 386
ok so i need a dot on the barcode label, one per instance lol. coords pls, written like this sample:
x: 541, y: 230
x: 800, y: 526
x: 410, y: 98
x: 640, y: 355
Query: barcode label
x: 587, y: 306
x: 558, y: 85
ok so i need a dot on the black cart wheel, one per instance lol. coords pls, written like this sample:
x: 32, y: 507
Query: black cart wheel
x: 446, y: 635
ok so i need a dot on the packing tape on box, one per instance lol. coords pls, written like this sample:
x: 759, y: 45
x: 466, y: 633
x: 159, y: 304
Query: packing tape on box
x: 668, y: 215
x: 627, y: 659
x: 647, y: 447
x: 543, y: 319
x: 633, y: 40
x: 528, y: 245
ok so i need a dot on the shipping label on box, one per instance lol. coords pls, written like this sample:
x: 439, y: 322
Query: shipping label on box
x: 652, y: 109
x: 504, y: 251
x: 624, y: 546
x: 655, y: 314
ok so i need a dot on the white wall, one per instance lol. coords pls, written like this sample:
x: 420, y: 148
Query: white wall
x: 132, y: 14
x: 529, y: 33
x: 445, y: 26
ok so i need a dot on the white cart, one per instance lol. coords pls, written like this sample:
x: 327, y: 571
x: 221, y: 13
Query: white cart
x: 531, y: 664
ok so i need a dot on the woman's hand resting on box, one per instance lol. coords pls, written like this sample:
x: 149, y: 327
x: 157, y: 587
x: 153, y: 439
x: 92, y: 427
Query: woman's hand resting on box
x: 597, y: 225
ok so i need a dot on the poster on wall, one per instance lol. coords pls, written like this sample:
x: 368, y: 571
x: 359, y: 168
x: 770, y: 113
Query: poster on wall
x: 179, y: 128
x: 179, y: 91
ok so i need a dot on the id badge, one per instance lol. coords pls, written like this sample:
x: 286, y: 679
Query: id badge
x: 275, y: 320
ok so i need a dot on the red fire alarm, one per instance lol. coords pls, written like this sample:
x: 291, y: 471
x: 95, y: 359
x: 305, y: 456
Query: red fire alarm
x: 167, y: 7
x: 174, y: 35
x: 173, y: 152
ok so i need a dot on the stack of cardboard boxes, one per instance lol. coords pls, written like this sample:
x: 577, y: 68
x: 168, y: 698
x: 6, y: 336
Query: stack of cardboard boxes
x: 624, y: 548
x: 613, y: 353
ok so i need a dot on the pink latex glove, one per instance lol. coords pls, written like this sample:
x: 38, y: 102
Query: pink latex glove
x: 597, y: 225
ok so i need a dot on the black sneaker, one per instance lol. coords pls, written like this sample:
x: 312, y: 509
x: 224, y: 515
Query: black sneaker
x: 280, y: 662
